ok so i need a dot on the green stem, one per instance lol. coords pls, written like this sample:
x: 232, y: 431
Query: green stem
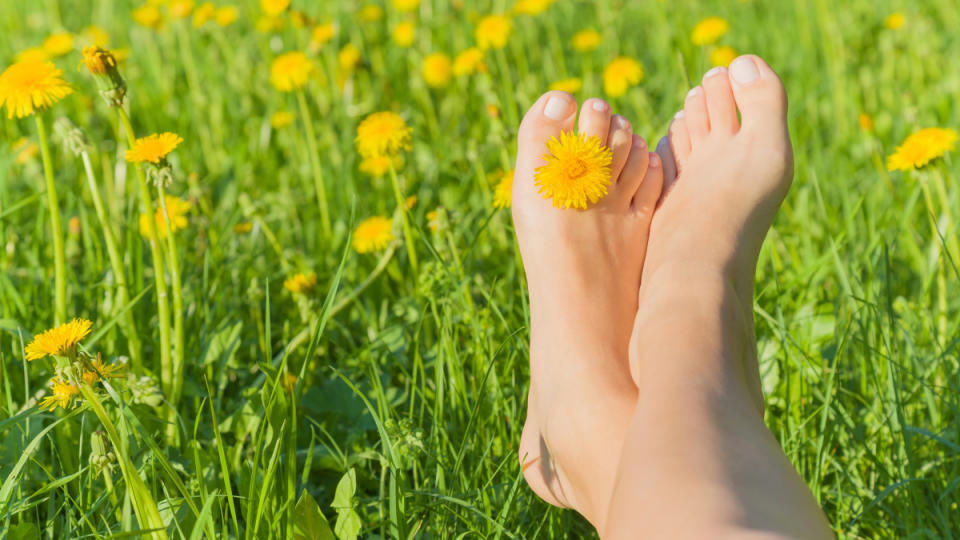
x: 116, y: 262
x: 404, y: 217
x: 176, y: 289
x: 948, y: 233
x: 59, y: 266
x: 163, y: 311
x: 315, y: 163
x: 941, y: 278
x: 511, y: 102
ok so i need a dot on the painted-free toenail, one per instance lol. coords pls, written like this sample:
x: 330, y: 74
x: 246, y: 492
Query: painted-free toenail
x: 556, y: 108
x: 715, y: 71
x: 693, y: 91
x: 654, y: 160
x: 638, y: 142
x: 743, y: 70
x: 679, y: 114
x: 599, y: 105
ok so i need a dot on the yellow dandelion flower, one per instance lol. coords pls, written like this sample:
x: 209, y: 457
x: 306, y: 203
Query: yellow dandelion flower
x: 372, y: 234
x: 410, y: 202
x: 74, y: 226
x: 405, y: 6
x: 59, y: 341
x: 921, y: 148
x: 493, y: 31
x: 433, y: 220
x: 33, y: 55
x: 226, y: 16
x: 273, y: 8
x: 95, y: 36
x: 58, y: 44
x: 301, y: 283
x: 586, y: 40
x: 895, y: 21
x: 437, y: 70
x: 62, y: 395
x: 290, y: 71
x: 503, y: 194
x: 621, y: 73
x: 204, y: 14
x: 378, y: 166
x: 467, y: 62
x: 300, y: 19
x: 349, y: 57
x: 866, y: 123
x: 709, y: 30
x: 322, y: 34
x: 99, y: 371
x: 177, y: 209
x: 403, y: 34
x: 371, y: 13
x: 722, y: 56
x: 382, y: 133
x: 25, y: 149
x: 493, y: 111
x: 153, y: 148
x: 148, y: 15
x: 571, y: 85
x: 577, y: 171
x: 531, y: 7
x: 243, y: 227
x: 281, y: 119
x: 266, y: 24
x: 30, y: 87
x: 180, y: 9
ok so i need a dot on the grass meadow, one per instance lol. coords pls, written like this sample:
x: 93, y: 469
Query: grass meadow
x: 303, y: 378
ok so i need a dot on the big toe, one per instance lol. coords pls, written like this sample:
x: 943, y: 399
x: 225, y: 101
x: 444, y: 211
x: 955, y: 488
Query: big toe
x: 552, y: 114
x: 759, y: 93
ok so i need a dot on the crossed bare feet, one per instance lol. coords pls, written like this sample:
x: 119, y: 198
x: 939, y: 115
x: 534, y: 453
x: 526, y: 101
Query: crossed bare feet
x: 639, y: 347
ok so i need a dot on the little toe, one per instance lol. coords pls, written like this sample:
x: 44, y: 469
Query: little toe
x: 634, y: 169
x: 647, y: 195
x: 552, y: 114
x: 619, y: 141
x: 695, y: 114
x: 679, y: 140
x: 759, y: 93
x: 595, y: 118
x: 721, y: 107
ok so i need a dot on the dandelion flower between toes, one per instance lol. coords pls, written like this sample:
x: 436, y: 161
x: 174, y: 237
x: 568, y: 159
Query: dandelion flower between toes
x: 577, y: 171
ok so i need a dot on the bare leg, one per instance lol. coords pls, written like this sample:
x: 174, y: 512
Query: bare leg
x: 698, y: 461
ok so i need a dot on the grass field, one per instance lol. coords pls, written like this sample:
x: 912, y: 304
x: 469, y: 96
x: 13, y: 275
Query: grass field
x: 381, y: 394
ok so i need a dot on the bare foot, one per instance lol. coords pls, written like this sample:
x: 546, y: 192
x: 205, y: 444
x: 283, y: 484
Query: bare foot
x: 583, y: 269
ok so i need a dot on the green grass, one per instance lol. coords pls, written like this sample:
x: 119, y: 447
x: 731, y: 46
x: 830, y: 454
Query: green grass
x: 412, y: 387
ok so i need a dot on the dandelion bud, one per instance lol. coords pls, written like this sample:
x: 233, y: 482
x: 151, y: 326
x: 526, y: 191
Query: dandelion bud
x: 70, y: 136
x: 103, y: 65
x: 101, y: 452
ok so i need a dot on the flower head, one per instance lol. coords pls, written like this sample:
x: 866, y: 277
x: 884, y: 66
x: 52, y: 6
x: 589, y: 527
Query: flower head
x: 348, y: 57
x: 148, y: 15
x: 722, y: 56
x: 620, y: 74
x: 301, y: 283
x: 98, y: 371
x: 571, y: 85
x: 437, y: 70
x: 382, y: 133
x: 531, y: 7
x: 493, y: 31
x: 921, y: 148
x: 586, y: 40
x: 29, y: 87
x: 577, y: 170
x: 895, y: 21
x: 180, y: 8
x: 281, y: 119
x: 405, y: 6
x: 62, y: 395
x: 290, y: 71
x: 177, y: 209
x: 153, y: 148
x: 503, y: 194
x: 103, y: 66
x: 371, y: 13
x: 372, y: 234
x: 59, y: 341
x: 322, y: 34
x: 709, y: 30
x: 403, y: 34
x: 226, y: 16
x: 468, y: 62
x: 58, y: 44
x: 203, y: 14
x: 273, y: 8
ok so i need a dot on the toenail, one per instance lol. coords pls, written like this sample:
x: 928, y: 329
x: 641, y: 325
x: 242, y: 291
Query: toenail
x: 693, y: 91
x: 638, y: 142
x: 599, y: 105
x: 679, y: 114
x: 620, y: 122
x: 743, y: 70
x: 654, y: 160
x: 715, y: 71
x: 556, y: 108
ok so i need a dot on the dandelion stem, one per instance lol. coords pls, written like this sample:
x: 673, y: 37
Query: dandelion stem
x: 176, y: 289
x: 315, y: 162
x: 404, y: 217
x: 163, y: 312
x: 59, y: 266
x: 941, y: 278
x: 116, y: 263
